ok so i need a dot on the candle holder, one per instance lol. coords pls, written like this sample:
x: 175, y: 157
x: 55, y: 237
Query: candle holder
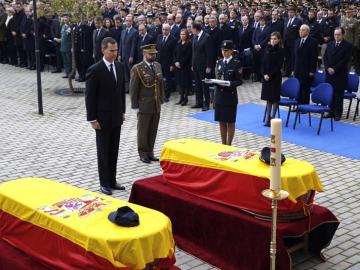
x: 274, y: 197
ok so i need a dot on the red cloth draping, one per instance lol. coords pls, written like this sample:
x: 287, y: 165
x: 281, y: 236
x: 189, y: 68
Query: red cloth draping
x: 225, y: 236
x: 224, y: 187
x: 53, y: 250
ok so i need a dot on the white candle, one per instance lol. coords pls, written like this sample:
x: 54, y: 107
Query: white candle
x: 275, y: 155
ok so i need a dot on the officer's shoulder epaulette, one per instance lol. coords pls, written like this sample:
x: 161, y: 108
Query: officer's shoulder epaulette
x: 218, y: 61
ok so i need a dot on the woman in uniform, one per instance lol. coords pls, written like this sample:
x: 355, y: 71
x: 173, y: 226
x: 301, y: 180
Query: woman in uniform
x: 271, y: 81
x: 226, y: 98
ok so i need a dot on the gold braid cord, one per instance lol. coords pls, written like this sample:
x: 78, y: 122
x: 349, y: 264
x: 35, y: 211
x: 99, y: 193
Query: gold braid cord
x: 147, y: 86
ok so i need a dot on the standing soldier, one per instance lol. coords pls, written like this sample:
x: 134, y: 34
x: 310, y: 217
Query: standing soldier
x: 351, y: 27
x: 147, y: 95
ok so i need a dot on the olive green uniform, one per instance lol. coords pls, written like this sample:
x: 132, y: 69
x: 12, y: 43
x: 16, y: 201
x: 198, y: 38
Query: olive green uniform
x: 352, y: 30
x: 147, y: 95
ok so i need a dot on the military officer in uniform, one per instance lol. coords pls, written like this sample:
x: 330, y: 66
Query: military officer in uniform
x: 226, y: 98
x: 147, y: 95
x: 351, y: 27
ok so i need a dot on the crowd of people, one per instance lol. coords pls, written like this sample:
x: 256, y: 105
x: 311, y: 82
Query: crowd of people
x: 188, y: 38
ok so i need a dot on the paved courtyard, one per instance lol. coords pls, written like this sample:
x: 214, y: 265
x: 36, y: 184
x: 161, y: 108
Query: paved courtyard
x: 61, y: 146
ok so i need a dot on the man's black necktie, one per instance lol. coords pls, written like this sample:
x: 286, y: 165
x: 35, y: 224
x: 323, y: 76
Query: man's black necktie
x: 97, y: 33
x: 112, y: 72
x: 337, y: 44
x: 152, y: 68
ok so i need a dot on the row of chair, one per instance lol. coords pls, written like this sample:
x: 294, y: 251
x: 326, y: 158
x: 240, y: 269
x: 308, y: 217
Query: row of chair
x: 321, y: 97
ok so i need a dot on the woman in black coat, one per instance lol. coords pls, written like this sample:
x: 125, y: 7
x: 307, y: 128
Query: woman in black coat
x: 183, y: 73
x: 271, y: 70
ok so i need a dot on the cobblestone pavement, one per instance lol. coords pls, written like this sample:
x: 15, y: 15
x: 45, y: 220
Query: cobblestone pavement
x: 61, y: 146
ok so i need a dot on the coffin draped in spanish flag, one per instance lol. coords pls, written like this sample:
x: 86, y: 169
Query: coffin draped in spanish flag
x: 68, y: 228
x: 236, y: 177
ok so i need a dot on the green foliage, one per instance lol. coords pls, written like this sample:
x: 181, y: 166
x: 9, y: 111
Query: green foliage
x: 77, y: 9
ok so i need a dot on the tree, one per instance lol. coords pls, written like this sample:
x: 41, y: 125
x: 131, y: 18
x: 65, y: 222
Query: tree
x: 78, y: 11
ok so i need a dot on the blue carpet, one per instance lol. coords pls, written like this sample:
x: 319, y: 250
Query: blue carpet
x: 343, y: 141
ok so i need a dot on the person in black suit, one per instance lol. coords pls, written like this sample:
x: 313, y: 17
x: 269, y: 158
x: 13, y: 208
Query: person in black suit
x: 183, y: 73
x: 260, y: 38
x: 174, y: 29
x: 10, y: 46
x: 226, y: 99
x: 115, y: 32
x: 244, y: 45
x: 315, y: 29
x: 336, y: 59
x: 165, y: 46
x: 291, y: 33
x: 110, y: 11
x: 201, y: 65
x: 305, y: 62
x: 128, y: 48
x: 86, y: 47
x: 227, y: 33
x: 98, y: 35
x: 142, y: 39
x: 27, y: 33
x: 276, y: 25
x: 55, y: 34
x: 215, y: 44
x: 19, y: 19
x: 105, y: 107
x: 272, y: 62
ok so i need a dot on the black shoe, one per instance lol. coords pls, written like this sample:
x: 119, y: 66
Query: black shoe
x: 152, y: 158
x: 32, y: 68
x: 179, y: 102
x: 145, y: 160
x: 337, y: 118
x: 106, y: 190
x: 56, y: 71
x: 81, y: 80
x: 184, y: 103
x: 205, y: 108
x: 166, y: 99
x: 267, y: 125
x: 197, y: 106
x: 117, y: 187
x: 65, y: 77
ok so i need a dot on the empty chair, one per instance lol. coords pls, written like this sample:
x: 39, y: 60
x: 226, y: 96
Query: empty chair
x: 319, y: 77
x: 321, y: 97
x: 290, y: 92
x: 350, y: 93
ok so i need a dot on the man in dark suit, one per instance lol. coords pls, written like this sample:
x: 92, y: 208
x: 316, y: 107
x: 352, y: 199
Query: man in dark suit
x: 27, y: 33
x: 260, y: 38
x: 98, y: 35
x: 19, y: 19
x: 276, y: 25
x: 315, y: 29
x: 142, y: 39
x: 227, y: 33
x: 174, y: 29
x: 201, y: 65
x: 165, y: 46
x: 128, y: 48
x: 305, y: 60
x: 291, y: 33
x: 244, y: 46
x: 55, y: 34
x: 105, y: 107
x: 86, y: 47
x: 336, y: 63
x: 245, y: 34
